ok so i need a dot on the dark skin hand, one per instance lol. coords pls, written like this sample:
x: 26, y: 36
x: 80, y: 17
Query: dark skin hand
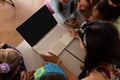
x: 72, y: 23
x: 30, y: 75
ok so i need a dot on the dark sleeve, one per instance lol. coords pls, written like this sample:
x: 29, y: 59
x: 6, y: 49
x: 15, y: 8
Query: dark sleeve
x: 82, y: 75
x: 22, y: 65
x: 5, y: 46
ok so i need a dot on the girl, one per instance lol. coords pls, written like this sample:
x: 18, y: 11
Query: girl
x: 100, y: 40
x: 12, y: 66
x: 62, y: 7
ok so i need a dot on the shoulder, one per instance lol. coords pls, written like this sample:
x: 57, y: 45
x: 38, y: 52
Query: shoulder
x: 54, y: 1
x: 117, y: 24
x: 95, y: 75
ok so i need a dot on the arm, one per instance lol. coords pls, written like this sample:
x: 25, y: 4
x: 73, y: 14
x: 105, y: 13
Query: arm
x: 69, y: 74
x: 55, y: 59
x: 55, y: 6
x: 94, y: 75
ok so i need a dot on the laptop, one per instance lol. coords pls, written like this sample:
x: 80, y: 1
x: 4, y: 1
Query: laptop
x: 43, y: 33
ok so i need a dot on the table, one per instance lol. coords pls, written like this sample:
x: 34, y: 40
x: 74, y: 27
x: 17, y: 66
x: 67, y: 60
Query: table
x: 72, y: 56
x: 33, y: 60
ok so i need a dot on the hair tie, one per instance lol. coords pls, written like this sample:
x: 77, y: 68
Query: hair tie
x: 112, y: 4
x: 82, y: 32
x: 5, y: 67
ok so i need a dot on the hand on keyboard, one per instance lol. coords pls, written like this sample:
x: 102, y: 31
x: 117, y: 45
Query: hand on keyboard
x: 50, y: 58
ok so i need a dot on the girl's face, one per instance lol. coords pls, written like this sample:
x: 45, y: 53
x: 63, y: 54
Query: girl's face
x: 82, y: 5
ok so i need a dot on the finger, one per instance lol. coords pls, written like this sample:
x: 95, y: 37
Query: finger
x: 44, y: 57
x: 70, y: 30
x: 51, y: 53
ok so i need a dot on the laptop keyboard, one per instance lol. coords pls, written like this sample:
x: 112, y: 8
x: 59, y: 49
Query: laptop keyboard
x: 55, y: 40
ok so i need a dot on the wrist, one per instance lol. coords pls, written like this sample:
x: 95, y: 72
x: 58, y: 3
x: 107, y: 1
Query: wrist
x: 59, y: 62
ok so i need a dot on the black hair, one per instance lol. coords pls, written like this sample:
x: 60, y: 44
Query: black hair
x: 60, y: 6
x: 116, y: 2
x: 91, y: 5
x: 54, y: 76
x: 107, y: 11
x: 102, y: 44
x: 72, y: 7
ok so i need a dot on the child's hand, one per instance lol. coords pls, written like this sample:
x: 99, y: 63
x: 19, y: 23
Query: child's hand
x: 73, y: 33
x: 30, y: 75
x: 50, y: 58
x: 72, y: 23
x: 23, y: 75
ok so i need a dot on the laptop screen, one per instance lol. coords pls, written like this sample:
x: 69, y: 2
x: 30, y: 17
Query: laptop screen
x: 38, y: 25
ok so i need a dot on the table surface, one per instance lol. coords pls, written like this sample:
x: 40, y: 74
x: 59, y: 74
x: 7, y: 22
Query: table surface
x: 72, y: 56
x: 72, y: 61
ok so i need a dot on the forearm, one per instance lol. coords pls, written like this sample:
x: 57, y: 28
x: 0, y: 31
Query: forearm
x: 55, y: 7
x: 67, y: 71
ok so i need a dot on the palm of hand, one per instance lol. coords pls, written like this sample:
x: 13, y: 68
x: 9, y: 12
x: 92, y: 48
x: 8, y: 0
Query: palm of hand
x: 50, y: 58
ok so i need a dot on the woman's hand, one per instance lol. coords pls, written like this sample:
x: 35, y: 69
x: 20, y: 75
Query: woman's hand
x: 50, y: 58
x: 55, y: 59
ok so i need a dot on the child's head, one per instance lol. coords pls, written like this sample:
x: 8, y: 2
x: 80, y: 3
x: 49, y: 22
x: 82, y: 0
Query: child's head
x: 106, y: 10
x: 53, y: 76
x: 9, y: 58
x: 101, y: 42
x: 49, y: 71
x: 85, y: 6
